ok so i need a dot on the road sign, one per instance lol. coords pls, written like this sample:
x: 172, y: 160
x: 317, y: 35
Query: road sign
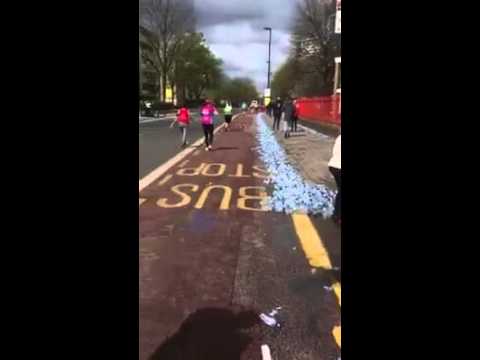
x: 267, y: 92
x: 169, y: 95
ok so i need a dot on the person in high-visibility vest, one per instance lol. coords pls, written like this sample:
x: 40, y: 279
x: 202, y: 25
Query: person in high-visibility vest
x: 227, y: 111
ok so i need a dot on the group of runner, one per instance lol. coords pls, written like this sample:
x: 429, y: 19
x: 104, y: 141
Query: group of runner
x: 207, y: 113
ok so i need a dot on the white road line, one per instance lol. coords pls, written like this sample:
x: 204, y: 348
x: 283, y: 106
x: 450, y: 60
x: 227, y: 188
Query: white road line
x: 184, y: 163
x: 311, y: 131
x: 162, y: 169
x: 155, y: 120
x: 266, y: 352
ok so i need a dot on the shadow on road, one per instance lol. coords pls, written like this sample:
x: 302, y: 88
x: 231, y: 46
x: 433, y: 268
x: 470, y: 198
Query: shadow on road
x: 224, y: 148
x: 209, y: 334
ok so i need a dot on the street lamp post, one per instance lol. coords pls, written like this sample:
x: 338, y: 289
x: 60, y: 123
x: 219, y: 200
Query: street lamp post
x: 269, y: 29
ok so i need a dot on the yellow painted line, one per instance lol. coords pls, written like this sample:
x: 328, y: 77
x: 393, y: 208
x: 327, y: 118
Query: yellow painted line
x: 338, y: 291
x: 312, y: 245
x: 337, y: 334
x: 162, y: 169
x: 317, y: 256
x: 183, y: 163
x: 165, y: 179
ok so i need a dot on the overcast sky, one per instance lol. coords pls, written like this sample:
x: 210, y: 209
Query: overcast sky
x: 234, y: 32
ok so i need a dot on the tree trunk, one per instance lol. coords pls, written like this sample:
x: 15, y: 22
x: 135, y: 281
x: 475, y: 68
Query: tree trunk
x: 160, y: 87
x: 164, y: 87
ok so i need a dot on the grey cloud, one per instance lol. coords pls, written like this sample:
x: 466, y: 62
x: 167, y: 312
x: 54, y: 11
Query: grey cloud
x: 234, y: 31
x: 204, y: 19
x: 274, y: 13
x: 232, y: 68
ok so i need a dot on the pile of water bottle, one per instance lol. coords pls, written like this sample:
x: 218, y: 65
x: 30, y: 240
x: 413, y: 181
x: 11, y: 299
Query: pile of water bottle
x: 291, y: 193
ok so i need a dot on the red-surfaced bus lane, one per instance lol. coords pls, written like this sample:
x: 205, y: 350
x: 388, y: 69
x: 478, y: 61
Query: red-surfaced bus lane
x: 212, y: 257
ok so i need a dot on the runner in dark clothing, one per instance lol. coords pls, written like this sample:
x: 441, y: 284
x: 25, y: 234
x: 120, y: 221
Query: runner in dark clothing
x: 295, y: 115
x: 277, y: 113
x: 289, y: 110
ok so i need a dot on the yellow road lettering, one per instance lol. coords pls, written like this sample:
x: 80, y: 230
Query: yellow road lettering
x: 338, y: 292
x: 243, y: 197
x: 207, y: 169
x: 191, y: 171
x: 185, y: 198
x: 227, y: 195
x: 239, y: 172
x: 337, y: 334
x: 262, y: 174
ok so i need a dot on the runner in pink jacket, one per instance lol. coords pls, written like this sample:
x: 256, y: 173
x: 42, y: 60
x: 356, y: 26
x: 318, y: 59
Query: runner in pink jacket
x: 207, y: 113
x: 183, y: 120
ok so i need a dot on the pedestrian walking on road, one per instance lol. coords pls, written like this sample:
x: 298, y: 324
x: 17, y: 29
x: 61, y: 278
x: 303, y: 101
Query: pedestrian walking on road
x: 289, y: 113
x: 270, y: 108
x: 207, y: 113
x: 277, y: 109
x: 296, y: 108
x: 335, y: 166
x: 183, y: 120
x: 227, y: 111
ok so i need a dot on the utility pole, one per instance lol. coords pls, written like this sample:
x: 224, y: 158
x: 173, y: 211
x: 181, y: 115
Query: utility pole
x: 269, y: 29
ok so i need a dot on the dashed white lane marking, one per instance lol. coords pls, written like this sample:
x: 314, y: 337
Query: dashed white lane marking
x: 184, y: 163
x: 266, y: 353
x: 165, y: 179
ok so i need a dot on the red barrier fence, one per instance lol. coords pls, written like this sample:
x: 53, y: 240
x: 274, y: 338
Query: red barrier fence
x: 320, y: 109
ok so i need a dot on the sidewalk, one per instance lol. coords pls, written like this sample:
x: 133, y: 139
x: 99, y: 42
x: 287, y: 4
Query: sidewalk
x: 309, y: 153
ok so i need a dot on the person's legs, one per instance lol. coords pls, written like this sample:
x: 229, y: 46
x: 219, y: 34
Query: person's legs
x: 205, y: 133
x: 180, y: 128
x: 295, y: 121
x: 184, y: 135
x: 276, y: 122
x: 210, y: 133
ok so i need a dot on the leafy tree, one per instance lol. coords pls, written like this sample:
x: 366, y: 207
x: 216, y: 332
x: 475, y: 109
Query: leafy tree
x: 285, y: 79
x: 163, y: 24
x: 196, y: 68
x: 314, y: 47
x: 235, y: 90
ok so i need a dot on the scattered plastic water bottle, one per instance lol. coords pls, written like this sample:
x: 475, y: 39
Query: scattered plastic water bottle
x: 269, y: 319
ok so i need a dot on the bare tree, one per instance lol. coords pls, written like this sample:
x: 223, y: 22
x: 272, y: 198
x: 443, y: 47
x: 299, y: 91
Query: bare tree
x: 162, y: 26
x: 315, y: 44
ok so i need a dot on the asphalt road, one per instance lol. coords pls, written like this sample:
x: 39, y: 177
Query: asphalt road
x: 212, y: 259
x: 158, y: 143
